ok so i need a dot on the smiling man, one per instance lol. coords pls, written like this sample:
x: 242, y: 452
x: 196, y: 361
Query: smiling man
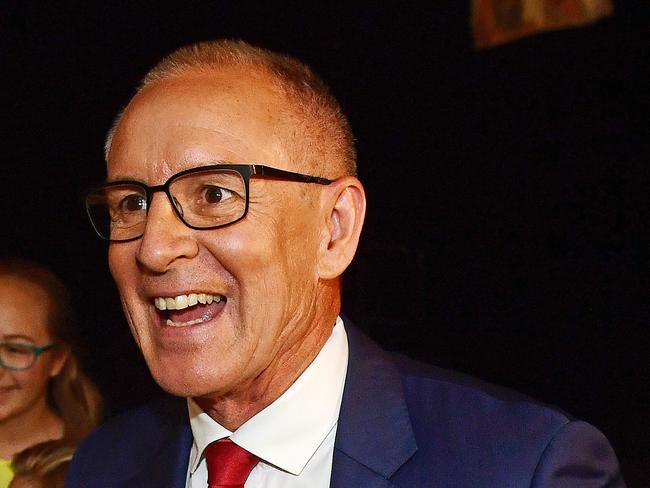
x: 265, y: 252
x: 232, y: 210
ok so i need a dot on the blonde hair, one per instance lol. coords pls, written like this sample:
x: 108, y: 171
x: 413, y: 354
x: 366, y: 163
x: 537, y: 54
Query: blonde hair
x: 72, y: 395
x: 45, y: 464
x: 324, y: 137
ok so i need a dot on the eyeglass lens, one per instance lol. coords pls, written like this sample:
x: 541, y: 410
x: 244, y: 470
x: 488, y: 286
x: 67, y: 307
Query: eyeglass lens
x: 17, y: 356
x: 205, y: 199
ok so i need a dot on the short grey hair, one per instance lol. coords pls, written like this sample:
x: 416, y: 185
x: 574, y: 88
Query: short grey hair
x: 325, y: 137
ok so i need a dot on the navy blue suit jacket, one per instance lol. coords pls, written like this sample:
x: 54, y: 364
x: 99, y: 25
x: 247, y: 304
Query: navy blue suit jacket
x: 402, y: 424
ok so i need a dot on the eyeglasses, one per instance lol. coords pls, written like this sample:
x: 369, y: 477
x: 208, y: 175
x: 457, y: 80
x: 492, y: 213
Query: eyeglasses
x: 17, y: 356
x: 206, y: 197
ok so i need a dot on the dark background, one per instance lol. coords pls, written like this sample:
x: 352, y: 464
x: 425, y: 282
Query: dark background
x: 508, y: 188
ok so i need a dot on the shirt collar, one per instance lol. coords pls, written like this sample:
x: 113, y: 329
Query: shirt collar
x: 288, y: 432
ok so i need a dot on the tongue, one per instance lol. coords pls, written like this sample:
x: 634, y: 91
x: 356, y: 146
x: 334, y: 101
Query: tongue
x: 203, y: 312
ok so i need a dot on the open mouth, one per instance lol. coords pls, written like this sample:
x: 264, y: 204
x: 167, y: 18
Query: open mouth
x: 187, y: 310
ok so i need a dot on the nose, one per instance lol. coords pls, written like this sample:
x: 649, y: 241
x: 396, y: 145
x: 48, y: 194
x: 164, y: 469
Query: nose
x: 166, y: 238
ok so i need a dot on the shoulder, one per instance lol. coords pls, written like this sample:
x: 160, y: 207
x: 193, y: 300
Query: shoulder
x: 431, y: 392
x: 493, y: 433
x: 462, y: 409
x: 463, y: 396
x: 473, y: 433
x: 144, y: 423
x: 125, y: 442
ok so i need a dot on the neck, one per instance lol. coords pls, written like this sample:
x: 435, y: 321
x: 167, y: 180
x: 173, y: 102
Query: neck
x: 36, y: 425
x: 300, y: 348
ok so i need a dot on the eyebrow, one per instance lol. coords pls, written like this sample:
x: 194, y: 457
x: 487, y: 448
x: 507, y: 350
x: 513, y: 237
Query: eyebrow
x: 126, y: 178
x: 205, y: 164
x: 13, y: 337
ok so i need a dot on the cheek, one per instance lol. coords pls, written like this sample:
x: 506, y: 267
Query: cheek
x: 248, y: 253
x: 35, y: 380
x: 45, y: 367
x: 32, y: 384
x: 272, y: 265
x: 120, y: 257
x: 255, y: 258
x: 121, y: 262
x: 298, y: 248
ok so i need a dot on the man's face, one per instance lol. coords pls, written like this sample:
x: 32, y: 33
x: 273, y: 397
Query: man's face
x: 260, y: 271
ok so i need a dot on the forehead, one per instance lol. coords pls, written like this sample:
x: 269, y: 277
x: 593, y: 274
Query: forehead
x: 23, y: 309
x: 200, y: 117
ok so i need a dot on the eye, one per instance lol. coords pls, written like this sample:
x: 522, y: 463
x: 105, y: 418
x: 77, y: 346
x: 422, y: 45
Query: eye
x: 16, y: 349
x: 133, y: 203
x: 216, y: 194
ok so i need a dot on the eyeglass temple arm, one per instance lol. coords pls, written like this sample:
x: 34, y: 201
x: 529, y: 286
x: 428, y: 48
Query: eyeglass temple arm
x: 281, y: 174
x: 40, y: 350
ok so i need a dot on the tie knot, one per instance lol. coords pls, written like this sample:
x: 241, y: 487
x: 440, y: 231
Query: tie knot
x: 228, y: 464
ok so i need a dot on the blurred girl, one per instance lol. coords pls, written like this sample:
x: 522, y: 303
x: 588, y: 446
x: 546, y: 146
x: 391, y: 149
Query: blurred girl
x: 44, y: 396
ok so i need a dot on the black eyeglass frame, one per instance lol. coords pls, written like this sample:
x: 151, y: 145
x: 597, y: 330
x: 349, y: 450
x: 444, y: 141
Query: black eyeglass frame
x: 245, y: 170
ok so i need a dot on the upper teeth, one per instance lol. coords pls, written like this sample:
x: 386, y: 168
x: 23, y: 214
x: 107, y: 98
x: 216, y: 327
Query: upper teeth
x: 183, y: 301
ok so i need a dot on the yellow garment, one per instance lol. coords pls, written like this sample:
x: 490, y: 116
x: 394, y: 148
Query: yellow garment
x: 6, y: 473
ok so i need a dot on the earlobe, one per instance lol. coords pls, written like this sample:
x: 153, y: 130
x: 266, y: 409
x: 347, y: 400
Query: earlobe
x: 345, y: 209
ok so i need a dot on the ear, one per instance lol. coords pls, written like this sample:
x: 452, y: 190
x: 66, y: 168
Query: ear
x: 59, y: 359
x: 344, y: 208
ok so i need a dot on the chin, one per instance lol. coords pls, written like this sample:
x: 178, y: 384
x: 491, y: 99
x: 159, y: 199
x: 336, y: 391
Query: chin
x: 177, y: 390
x: 184, y: 380
x: 175, y: 386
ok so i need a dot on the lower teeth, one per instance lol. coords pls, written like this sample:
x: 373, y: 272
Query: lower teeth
x: 171, y: 323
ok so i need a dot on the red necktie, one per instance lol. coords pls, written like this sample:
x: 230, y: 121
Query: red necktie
x: 228, y: 464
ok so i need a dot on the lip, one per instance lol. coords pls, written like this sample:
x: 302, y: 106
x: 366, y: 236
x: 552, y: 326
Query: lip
x: 162, y: 329
x: 151, y: 293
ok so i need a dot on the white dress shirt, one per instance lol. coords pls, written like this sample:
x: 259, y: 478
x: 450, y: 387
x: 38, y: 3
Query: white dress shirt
x: 294, y: 436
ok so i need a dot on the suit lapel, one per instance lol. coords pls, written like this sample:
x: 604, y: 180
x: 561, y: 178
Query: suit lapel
x: 374, y: 436
x: 167, y: 465
x: 349, y: 473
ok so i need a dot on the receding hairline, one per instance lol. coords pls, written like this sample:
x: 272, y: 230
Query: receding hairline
x: 310, y: 102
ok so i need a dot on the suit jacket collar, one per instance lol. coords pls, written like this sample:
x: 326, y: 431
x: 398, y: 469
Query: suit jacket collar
x: 374, y: 436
